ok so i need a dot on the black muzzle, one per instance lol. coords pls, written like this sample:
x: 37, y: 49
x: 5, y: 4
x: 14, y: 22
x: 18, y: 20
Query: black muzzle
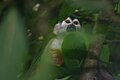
x: 71, y: 28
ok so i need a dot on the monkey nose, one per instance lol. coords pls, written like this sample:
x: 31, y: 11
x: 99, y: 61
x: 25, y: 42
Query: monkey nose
x: 71, y: 28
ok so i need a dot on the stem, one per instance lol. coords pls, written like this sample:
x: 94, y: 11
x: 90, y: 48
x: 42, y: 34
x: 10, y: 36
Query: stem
x: 96, y: 22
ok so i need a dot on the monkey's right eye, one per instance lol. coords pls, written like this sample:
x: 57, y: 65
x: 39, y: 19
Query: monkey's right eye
x: 67, y: 21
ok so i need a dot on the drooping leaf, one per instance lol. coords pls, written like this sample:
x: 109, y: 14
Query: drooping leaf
x: 13, y: 46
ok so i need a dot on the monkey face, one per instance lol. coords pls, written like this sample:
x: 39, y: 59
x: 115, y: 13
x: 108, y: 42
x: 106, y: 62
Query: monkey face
x: 68, y: 25
x: 71, y: 24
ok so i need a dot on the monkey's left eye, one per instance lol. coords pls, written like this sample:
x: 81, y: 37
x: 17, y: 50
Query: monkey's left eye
x: 76, y: 22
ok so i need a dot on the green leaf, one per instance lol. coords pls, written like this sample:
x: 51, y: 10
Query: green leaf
x: 74, y: 46
x: 13, y: 47
x: 105, y: 54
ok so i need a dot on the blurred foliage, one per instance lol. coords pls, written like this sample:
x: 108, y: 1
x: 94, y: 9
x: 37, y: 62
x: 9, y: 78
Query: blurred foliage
x: 13, y: 46
x: 19, y: 51
x: 74, y: 43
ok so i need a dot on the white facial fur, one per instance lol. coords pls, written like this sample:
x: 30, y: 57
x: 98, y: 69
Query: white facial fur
x: 62, y: 27
x: 76, y: 23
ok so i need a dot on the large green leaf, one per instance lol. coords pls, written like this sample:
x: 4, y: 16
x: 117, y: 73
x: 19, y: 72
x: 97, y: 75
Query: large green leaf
x: 13, y: 47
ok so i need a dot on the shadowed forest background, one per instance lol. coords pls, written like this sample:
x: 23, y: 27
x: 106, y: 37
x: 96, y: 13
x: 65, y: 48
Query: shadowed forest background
x: 27, y: 25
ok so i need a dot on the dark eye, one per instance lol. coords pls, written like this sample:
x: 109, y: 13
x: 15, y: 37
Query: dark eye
x: 76, y: 22
x: 67, y: 21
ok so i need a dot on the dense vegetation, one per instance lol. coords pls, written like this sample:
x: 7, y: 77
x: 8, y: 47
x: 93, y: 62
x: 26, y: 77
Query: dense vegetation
x: 24, y: 31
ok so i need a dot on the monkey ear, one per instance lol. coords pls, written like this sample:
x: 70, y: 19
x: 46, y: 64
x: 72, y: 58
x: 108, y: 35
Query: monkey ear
x: 56, y: 28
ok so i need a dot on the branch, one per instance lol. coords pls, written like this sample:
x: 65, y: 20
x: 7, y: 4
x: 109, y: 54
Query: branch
x: 90, y: 68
